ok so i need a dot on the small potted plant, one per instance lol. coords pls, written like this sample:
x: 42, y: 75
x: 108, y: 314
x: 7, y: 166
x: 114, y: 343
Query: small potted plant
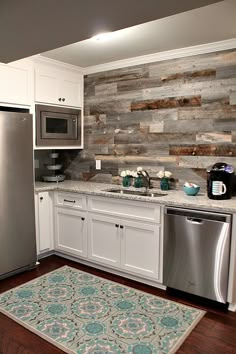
x: 127, y: 177
x: 164, y: 177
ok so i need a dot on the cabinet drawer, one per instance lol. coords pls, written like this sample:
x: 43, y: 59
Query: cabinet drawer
x: 70, y: 200
x: 124, y: 208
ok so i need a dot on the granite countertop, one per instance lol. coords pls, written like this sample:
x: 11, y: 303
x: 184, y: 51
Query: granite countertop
x: 173, y: 197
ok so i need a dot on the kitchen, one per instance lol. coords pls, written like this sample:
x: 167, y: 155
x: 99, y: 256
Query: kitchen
x: 144, y: 115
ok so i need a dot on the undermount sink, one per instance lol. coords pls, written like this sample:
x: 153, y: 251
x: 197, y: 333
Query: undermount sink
x: 132, y: 192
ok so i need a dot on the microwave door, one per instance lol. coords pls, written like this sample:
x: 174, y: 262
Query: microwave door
x: 59, y: 126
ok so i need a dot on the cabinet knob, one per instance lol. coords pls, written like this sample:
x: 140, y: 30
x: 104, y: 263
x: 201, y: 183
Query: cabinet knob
x: 63, y: 99
x: 41, y: 198
x: 121, y: 226
x: 117, y: 225
x: 59, y: 99
x: 82, y: 219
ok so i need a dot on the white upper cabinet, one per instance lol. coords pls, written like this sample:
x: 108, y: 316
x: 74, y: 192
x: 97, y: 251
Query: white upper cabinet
x: 16, y: 82
x: 59, y: 85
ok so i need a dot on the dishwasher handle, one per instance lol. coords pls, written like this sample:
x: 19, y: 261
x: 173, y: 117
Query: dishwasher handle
x: 197, y: 214
x: 195, y: 220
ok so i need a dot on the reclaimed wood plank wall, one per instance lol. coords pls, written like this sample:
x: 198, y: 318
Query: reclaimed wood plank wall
x: 176, y: 114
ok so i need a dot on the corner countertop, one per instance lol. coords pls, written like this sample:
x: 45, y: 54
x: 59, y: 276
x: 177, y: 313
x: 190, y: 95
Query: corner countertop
x: 176, y: 198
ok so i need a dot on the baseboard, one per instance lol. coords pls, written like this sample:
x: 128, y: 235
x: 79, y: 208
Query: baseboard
x: 46, y: 254
x: 232, y: 307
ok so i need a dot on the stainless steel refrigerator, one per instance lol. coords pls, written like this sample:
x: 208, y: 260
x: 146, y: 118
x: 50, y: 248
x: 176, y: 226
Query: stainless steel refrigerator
x: 17, y: 219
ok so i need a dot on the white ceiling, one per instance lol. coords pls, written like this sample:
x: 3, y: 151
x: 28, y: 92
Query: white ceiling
x: 207, y: 24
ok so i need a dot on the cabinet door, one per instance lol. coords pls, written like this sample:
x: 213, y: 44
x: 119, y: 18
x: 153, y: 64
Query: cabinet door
x: 47, y: 85
x: 15, y: 84
x: 71, y: 231
x: 71, y: 90
x: 44, y: 226
x: 104, y: 240
x: 58, y: 86
x: 141, y: 248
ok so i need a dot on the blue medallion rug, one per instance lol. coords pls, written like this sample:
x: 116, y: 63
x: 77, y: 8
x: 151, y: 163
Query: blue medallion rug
x: 84, y: 314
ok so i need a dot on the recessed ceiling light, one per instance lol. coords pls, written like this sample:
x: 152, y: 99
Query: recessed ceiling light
x: 103, y: 36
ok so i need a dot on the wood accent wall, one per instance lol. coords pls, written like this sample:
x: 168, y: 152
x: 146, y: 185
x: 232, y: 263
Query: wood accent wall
x: 177, y: 114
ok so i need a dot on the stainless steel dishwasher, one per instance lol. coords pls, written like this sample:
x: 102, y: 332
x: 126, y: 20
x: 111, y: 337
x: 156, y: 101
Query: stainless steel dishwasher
x: 196, y: 252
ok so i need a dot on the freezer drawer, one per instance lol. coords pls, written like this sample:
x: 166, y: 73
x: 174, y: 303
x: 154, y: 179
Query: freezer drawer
x: 196, y: 252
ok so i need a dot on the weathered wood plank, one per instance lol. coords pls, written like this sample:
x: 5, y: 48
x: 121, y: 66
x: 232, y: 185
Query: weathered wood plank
x: 203, y: 162
x: 210, y: 111
x: 214, y: 137
x: 232, y: 98
x: 166, y: 103
x: 189, y: 126
x: 117, y: 75
x: 106, y: 89
x: 204, y: 150
x: 139, y: 137
x: 148, y: 149
x: 226, y: 72
x: 234, y: 136
x: 151, y: 127
x: 110, y: 107
x: 137, y: 84
x: 207, y: 73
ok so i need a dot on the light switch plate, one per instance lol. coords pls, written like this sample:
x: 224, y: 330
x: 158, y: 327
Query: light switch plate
x: 98, y: 164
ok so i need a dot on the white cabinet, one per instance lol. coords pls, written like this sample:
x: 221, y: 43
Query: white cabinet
x: 141, y: 248
x: 44, y: 222
x: 127, y: 236
x: 59, y: 86
x: 70, y: 220
x: 71, y: 231
x: 16, y: 82
x: 103, y: 240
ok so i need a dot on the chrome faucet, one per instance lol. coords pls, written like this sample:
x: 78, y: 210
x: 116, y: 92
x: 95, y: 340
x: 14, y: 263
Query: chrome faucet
x: 145, y: 178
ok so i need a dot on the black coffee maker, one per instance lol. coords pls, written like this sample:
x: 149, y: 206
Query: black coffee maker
x: 220, y: 180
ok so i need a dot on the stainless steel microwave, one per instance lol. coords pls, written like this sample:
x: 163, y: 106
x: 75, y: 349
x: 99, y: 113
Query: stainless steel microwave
x: 57, y: 126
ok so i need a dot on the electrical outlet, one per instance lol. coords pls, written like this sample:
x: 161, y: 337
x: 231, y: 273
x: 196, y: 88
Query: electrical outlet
x: 98, y: 164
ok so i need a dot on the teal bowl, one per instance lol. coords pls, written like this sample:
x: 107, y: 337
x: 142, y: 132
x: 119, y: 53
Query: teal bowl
x: 191, y: 190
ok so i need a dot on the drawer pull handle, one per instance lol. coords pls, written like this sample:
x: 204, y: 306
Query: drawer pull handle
x: 82, y: 219
x: 69, y: 201
x: 41, y: 198
x: 117, y: 225
x: 121, y: 226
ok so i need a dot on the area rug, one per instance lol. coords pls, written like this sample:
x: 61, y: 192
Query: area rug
x: 85, y: 314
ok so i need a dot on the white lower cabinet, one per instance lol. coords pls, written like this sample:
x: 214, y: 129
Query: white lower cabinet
x: 140, y: 248
x: 103, y: 240
x: 131, y: 246
x: 44, y: 222
x: 123, y: 235
x: 71, y: 231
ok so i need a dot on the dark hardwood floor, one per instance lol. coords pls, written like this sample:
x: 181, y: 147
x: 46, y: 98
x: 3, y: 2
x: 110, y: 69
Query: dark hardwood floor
x: 215, y: 334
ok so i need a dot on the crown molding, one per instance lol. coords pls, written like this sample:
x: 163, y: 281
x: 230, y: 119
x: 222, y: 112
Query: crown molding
x: 41, y: 59
x: 161, y: 56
